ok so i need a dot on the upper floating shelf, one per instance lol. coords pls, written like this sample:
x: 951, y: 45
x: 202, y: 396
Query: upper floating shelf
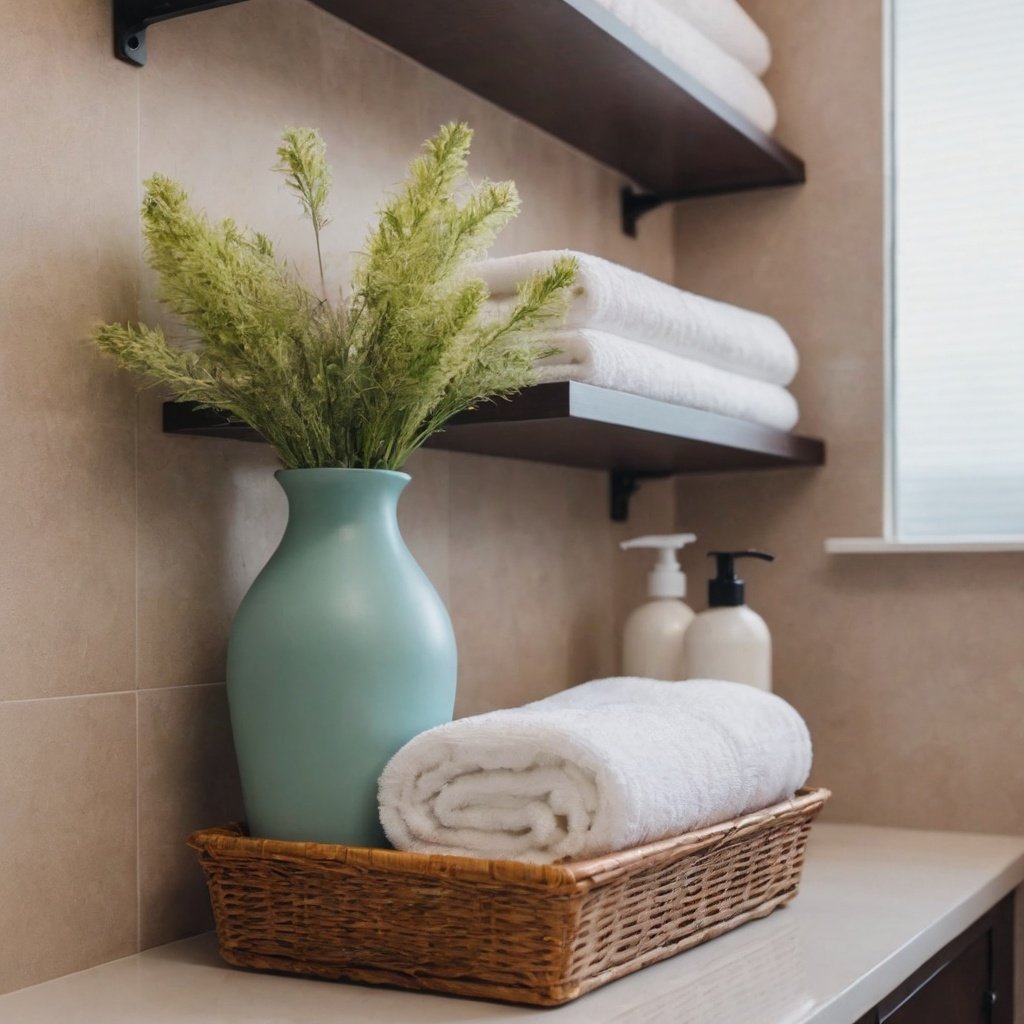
x: 572, y: 69
x: 571, y: 424
x: 568, y: 67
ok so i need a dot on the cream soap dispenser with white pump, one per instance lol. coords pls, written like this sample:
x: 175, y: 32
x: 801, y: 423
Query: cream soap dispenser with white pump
x: 729, y: 640
x: 652, y: 645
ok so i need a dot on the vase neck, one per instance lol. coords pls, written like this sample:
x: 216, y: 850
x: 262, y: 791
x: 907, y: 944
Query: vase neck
x: 332, y: 499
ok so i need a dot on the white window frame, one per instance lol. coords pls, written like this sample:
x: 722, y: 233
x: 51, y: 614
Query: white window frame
x: 890, y: 542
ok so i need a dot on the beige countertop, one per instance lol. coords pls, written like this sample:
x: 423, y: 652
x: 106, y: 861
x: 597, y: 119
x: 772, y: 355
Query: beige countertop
x: 875, y: 904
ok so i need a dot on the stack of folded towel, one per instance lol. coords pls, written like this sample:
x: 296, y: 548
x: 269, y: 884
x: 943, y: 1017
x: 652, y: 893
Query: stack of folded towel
x: 715, y: 41
x: 630, y: 332
x: 600, y: 767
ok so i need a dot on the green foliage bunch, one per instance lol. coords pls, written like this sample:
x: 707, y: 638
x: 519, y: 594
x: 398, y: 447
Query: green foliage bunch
x: 363, y: 381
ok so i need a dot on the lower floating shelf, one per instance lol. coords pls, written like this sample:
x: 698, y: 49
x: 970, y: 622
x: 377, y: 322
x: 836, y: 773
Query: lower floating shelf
x: 572, y: 424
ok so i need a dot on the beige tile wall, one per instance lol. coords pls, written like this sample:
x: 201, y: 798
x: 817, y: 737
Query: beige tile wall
x: 909, y: 669
x: 124, y: 551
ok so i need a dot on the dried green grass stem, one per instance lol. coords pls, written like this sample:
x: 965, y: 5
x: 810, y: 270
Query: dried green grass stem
x: 364, y: 381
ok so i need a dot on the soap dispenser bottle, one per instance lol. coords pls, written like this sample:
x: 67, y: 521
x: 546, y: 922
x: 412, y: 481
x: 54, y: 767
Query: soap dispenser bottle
x: 652, y: 645
x: 729, y: 640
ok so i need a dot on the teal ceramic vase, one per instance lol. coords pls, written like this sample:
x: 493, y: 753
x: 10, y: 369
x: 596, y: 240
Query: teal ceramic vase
x: 340, y: 653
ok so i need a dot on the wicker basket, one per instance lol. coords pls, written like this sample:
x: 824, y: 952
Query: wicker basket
x: 522, y: 933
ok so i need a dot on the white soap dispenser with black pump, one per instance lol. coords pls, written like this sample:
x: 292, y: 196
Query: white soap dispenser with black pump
x: 729, y: 640
x: 652, y: 645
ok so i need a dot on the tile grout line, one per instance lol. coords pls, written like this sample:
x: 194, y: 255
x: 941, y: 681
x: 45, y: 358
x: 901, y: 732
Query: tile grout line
x: 138, y: 829
x: 135, y: 679
x: 106, y: 693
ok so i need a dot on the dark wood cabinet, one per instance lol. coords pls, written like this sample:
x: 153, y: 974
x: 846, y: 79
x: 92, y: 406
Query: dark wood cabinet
x: 968, y: 982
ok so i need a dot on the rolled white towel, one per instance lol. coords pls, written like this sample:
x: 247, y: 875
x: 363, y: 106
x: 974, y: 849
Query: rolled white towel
x: 729, y: 27
x: 594, y: 769
x: 593, y: 357
x: 612, y: 298
x: 705, y: 61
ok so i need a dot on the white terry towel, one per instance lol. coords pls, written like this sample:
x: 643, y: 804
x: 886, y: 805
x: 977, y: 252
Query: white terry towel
x: 703, y: 60
x: 593, y: 357
x: 598, y: 768
x: 612, y: 298
x: 729, y: 27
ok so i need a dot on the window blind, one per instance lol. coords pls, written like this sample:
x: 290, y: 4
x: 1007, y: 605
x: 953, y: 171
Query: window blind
x: 958, y: 265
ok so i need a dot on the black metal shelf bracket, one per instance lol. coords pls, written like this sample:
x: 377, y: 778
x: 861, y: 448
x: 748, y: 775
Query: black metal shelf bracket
x: 133, y: 17
x: 635, y: 204
x: 622, y: 485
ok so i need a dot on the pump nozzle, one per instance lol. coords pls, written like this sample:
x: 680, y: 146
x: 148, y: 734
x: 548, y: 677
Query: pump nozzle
x: 666, y: 579
x: 726, y: 590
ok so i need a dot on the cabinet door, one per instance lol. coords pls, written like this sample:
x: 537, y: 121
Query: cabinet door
x: 958, y: 993
x: 968, y: 982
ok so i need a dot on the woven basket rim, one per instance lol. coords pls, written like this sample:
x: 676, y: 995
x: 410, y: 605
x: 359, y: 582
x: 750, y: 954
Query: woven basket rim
x: 231, y: 841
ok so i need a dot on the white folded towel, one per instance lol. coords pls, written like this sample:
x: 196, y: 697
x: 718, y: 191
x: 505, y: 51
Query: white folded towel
x: 729, y: 27
x: 703, y: 60
x: 594, y: 357
x: 597, y: 768
x: 612, y: 298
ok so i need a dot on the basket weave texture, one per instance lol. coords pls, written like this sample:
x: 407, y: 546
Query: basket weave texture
x: 522, y: 933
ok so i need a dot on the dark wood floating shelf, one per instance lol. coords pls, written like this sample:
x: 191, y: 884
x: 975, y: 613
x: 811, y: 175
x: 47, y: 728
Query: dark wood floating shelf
x: 568, y: 67
x: 571, y: 68
x: 572, y: 424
